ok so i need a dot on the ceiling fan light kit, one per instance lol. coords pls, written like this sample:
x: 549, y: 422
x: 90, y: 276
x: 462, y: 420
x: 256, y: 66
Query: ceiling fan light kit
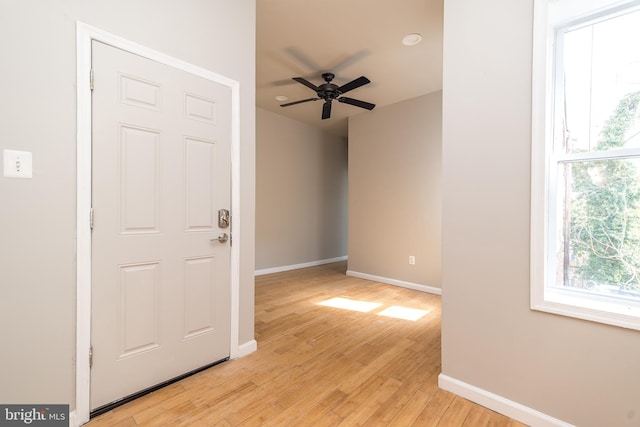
x: 328, y: 92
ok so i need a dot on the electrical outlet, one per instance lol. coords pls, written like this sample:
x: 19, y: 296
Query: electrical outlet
x: 17, y: 164
x: 412, y: 260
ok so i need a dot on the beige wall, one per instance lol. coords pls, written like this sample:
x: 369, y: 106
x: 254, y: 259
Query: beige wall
x: 301, y: 193
x: 580, y: 372
x: 394, y: 191
x: 37, y: 216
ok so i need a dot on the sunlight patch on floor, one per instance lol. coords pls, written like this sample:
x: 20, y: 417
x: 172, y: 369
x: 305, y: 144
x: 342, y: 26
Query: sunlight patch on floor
x: 394, y: 311
x: 350, y: 304
x: 404, y: 313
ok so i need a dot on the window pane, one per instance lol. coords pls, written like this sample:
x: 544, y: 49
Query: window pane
x: 601, y: 69
x: 599, y: 227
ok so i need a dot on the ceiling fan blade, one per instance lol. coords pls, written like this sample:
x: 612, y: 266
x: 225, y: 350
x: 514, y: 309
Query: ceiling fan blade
x: 302, y: 58
x: 350, y: 60
x: 360, y: 81
x: 357, y: 103
x: 326, y: 110
x: 299, y: 102
x: 307, y: 83
x: 288, y: 82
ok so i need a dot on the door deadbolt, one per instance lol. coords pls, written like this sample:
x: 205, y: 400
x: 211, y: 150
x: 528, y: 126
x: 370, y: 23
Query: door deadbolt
x: 223, y: 218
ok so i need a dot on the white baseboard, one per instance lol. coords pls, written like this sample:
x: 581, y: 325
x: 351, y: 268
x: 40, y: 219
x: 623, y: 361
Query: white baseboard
x: 297, y: 266
x: 402, y: 284
x: 499, y: 404
x: 247, y: 348
x: 72, y: 419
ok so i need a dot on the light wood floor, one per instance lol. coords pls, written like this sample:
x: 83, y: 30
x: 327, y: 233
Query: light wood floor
x: 320, y: 366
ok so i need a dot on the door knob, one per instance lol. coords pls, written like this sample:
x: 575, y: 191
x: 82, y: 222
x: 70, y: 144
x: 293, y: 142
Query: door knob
x: 222, y: 238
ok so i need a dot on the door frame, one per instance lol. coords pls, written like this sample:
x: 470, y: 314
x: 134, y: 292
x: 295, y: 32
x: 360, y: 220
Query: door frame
x: 85, y: 35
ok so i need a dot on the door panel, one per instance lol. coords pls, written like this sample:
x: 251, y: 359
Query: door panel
x: 138, y: 317
x: 199, y: 297
x: 161, y: 172
x: 140, y: 180
x: 199, y: 185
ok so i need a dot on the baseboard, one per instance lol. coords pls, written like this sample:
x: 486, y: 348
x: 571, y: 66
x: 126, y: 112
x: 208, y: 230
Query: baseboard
x: 72, y: 419
x: 297, y: 266
x: 499, y: 404
x: 247, y: 348
x: 402, y: 284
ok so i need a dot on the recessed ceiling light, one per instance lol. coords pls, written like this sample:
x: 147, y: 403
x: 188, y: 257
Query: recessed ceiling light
x: 281, y: 98
x: 411, y: 39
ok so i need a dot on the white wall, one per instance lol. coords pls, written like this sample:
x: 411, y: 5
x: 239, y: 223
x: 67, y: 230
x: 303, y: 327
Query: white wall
x: 394, y: 191
x: 301, y: 193
x: 580, y: 372
x: 37, y: 216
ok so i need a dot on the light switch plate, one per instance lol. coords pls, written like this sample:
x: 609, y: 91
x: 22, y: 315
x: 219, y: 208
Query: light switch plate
x: 18, y: 164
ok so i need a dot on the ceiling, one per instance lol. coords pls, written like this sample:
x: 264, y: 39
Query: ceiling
x: 350, y: 38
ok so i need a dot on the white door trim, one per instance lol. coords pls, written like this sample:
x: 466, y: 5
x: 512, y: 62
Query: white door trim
x: 85, y: 34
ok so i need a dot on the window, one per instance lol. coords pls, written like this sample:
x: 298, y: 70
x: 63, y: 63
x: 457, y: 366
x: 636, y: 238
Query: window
x: 585, y: 230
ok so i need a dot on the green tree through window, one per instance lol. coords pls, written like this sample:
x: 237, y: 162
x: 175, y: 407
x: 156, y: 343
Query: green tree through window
x: 604, y: 209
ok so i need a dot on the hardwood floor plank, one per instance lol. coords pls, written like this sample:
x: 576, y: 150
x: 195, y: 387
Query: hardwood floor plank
x: 477, y: 417
x: 324, y: 409
x: 498, y: 420
x: 424, y: 374
x: 416, y: 402
x: 456, y: 414
x: 320, y: 366
x: 433, y: 412
x: 356, y: 381
x: 261, y: 418
x: 371, y: 403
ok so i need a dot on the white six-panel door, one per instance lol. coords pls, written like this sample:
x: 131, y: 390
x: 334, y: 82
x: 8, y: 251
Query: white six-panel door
x: 161, y: 171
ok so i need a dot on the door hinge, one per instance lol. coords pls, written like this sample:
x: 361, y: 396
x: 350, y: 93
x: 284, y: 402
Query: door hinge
x: 91, y: 356
x: 91, y: 218
x: 91, y: 79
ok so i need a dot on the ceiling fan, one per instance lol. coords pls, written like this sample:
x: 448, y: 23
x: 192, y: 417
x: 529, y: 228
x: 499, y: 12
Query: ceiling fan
x: 329, y: 92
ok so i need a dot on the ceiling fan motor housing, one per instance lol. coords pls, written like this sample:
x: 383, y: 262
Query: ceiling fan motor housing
x: 328, y: 91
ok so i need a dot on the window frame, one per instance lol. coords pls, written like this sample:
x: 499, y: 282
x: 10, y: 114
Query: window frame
x: 546, y: 78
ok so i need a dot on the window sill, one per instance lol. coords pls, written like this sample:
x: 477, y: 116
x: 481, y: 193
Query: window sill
x: 611, y: 311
